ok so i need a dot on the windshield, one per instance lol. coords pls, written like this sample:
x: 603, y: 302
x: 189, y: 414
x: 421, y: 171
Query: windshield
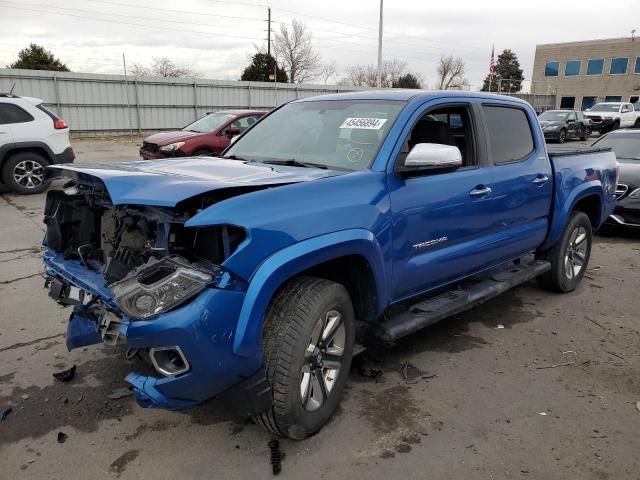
x: 554, y: 116
x: 208, y: 123
x: 624, y: 145
x: 605, y: 107
x: 340, y: 134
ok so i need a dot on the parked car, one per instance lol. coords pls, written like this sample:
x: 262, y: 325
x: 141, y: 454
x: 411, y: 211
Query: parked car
x: 336, y: 218
x: 31, y: 137
x: 626, y: 145
x: 561, y: 125
x: 612, y: 115
x: 208, y: 135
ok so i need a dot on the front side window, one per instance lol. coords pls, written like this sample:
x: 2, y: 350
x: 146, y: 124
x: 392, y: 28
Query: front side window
x: 595, y: 66
x: 244, y: 123
x: 551, y: 69
x: 340, y: 134
x: 510, y: 135
x: 572, y: 68
x: 619, y: 65
x: 208, y: 123
x: 10, y: 113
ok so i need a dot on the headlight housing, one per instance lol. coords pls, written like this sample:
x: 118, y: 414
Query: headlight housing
x: 158, y: 286
x: 635, y: 193
x: 172, y: 147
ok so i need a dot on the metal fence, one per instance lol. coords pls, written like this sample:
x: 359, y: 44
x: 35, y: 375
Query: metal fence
x: 112, y: 105
x: 108, y: 104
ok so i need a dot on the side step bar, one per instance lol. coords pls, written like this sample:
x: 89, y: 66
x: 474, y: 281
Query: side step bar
x: 449, y: 303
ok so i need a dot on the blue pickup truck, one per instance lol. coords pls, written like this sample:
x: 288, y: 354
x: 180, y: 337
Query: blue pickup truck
x: 334, y: 220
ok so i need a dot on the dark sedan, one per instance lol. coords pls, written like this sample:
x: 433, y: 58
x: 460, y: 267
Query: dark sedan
x: 626, y: 145
x: 561, y: 125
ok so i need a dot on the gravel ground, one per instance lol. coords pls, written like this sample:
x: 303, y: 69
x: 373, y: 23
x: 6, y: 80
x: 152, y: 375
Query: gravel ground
x: 530, y: 385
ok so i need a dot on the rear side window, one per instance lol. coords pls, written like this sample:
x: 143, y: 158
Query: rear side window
x: 10, y: 113
x: 52, y: 115
x: 510, y: 134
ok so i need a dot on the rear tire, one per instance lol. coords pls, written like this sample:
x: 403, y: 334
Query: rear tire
x: 569, y: 257
x: 23, y: 173
x: 308, y: 344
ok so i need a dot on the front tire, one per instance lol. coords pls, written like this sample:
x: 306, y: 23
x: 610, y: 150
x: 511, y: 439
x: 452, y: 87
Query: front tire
x: 562, y: 136
x: 569, y: 257
x: 308, y: 344
x: 24, y: 173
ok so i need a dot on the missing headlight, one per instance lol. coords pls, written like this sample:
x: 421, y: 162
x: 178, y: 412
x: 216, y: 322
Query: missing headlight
x: 158, y: 286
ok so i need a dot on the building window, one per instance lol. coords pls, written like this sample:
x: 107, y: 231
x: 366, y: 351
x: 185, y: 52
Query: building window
x: 595, y: 66
x: 637, y: 69
x: 634, y: 99
x: 572, y: 68
x: 613, y: 98
x: 567, y: 102
x: 588, y: 102
x: 551, y: 69
x: 619, y: 65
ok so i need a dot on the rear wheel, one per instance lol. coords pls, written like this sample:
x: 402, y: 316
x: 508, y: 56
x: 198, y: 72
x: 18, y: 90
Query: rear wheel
x: 569, y: 257
x: 637, y: 123
x: 24, y: 173
x: 308, y: 344
x: 586, y: 133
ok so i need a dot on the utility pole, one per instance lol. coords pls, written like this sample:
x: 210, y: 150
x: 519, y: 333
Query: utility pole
x: 379, y: 82
x: 269, y: 31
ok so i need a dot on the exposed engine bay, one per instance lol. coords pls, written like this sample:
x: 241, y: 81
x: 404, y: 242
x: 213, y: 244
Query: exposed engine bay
x: 83, y: 225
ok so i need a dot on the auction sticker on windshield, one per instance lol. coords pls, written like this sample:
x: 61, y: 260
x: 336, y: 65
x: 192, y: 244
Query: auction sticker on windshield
x: 366, y: 123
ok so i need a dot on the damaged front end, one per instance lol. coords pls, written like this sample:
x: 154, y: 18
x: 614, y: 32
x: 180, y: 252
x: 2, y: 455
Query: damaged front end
x: 137, y: 276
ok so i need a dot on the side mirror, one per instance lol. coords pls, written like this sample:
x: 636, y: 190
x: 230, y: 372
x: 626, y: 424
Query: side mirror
x: 432, y: 156
x: 625, y: 110
x: 233, y: 131
x: 588, y: 110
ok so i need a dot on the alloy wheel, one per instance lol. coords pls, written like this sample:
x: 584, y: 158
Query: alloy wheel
x: 576, y: 255
x: 323, y: 360
x: 29, y: 173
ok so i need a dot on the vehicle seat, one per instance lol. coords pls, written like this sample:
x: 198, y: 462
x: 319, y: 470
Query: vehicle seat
x: 431, y: 131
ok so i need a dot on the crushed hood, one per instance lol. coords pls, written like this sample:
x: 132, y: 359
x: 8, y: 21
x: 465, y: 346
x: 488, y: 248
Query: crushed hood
x: 167, y: 182
x: 166, y: 138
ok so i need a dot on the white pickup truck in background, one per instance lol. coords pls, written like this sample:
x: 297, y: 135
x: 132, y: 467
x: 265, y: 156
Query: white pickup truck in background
x: 612, y: 115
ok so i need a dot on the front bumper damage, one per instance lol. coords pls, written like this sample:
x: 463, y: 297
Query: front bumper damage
x: 202, y: 329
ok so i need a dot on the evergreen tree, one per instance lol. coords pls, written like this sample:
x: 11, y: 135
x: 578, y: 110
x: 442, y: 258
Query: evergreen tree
x: 261, y: 67
x: 35, y: 57
x: 507, y: 68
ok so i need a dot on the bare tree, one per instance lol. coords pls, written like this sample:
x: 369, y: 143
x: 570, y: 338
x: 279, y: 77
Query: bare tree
x: 293, y: 48
x: 327, y: 71
x: 162, y: 67
x: 367, y: 75
x: 451, y: 73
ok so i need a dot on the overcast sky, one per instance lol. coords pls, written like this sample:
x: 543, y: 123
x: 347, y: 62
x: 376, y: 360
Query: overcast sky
x: 216, y: 38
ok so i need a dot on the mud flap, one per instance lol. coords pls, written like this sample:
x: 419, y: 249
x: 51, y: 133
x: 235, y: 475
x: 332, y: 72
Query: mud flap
x: 82, y: 330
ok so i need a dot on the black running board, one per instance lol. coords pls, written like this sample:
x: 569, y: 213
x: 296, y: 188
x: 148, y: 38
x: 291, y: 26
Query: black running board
x: 449, y: 303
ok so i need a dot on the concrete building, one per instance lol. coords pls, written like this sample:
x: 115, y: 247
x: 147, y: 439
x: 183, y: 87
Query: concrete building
x: 583, y: 73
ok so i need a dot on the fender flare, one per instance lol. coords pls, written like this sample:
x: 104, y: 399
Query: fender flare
x: 286, y: 263
x: 561, y: 217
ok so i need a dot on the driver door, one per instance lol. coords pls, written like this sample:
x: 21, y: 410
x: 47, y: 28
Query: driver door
x: 442, y: 220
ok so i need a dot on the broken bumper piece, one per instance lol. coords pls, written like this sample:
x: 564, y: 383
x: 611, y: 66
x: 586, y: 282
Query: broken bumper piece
x: 193, y: 343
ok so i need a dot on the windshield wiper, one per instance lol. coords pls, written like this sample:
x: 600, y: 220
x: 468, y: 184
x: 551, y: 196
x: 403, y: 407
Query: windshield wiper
x: 235, y: 157
x: 292, y: 162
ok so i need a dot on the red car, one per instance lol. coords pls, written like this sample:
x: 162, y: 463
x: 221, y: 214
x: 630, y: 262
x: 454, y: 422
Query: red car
x: 209, y: 134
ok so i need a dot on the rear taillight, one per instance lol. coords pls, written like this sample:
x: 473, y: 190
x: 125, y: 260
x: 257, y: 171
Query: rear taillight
x: 60, y: 124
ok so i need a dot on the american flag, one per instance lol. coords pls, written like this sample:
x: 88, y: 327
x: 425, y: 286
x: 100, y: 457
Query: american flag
x: 491, y: 65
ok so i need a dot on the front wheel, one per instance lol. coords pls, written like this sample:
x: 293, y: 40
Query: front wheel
x: 308, y: 344
x: 569, y: 257
x: 562, y: 136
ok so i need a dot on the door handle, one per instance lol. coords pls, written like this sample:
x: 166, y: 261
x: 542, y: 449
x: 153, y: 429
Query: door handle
x: 540, y: 180
x: 480, y: 191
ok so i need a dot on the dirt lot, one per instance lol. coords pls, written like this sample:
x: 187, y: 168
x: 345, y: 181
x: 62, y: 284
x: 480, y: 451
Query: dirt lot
x: 531, y: 385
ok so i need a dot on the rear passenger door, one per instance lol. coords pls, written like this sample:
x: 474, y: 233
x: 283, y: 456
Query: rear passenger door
x: 522, y: 179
